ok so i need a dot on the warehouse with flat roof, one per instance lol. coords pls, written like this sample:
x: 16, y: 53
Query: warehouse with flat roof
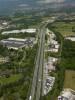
x: 14, y: 43
x: 19, y: 31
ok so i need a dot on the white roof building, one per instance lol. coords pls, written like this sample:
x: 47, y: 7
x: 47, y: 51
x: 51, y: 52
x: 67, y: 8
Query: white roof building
x: 48, y: 84
x: 19, y: 31
x: 67, y: 94
x: 50, y: 64
x: 52, y: 50
x: 5, y: 23
x: 57, y: 46
x: 52, y: 59
x: 70, y: 38
x: 54, y: 42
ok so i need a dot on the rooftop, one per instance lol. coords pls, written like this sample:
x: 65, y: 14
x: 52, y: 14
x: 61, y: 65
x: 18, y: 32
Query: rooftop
x: 67, y: 94
x: 70, y: 38
x: 15, y: 43
x: 19, y: 31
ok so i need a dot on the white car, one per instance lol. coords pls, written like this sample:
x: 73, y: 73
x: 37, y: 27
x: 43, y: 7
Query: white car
x: 30, y: 98
x: 39, y: 80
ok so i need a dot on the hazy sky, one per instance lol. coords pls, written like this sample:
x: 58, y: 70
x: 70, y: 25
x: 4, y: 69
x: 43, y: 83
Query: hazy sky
x: 12, y: 5
x: 49, y: 1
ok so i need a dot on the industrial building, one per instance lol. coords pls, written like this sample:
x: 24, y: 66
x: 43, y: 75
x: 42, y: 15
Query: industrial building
x: 49, y: 84
x: 53, y: 45
x: 72, y: 38
x: 67, y: 94
x: 19, y: 31
x: 14, y: 43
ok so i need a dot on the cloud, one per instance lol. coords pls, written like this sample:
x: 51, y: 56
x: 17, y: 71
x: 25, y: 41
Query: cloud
x: 49, y: 1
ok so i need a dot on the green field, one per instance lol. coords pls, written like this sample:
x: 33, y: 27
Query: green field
x: 69, y: 79
x: 11, y: 79
x: 64, y: 28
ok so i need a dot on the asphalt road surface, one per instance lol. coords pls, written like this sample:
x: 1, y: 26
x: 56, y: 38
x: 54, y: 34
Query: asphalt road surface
x: 36, y: 88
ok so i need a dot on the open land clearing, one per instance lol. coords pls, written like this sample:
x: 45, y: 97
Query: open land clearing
x: 69, y: 79
x: 64, y: 28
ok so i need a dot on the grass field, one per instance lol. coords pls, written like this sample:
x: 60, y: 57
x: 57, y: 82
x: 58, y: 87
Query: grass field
x: 69, y: 81
x: 10, y: 79
x: 64, y: 28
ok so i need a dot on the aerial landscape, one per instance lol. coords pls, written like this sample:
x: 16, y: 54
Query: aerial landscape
x: 37, y: 49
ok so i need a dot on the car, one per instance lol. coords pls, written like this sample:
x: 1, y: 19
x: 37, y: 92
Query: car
x: 30, y: 97
x: 39, y: 80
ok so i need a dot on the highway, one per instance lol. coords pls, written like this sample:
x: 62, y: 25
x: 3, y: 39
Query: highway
x: 40, y: 70
x: 36, y: 88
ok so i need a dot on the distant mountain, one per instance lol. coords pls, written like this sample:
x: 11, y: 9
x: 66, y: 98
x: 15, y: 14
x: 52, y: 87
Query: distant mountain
x: 11, y: 6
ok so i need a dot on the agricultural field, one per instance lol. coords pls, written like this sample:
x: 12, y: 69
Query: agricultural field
x: 65, y: 28
x: 69, y: 81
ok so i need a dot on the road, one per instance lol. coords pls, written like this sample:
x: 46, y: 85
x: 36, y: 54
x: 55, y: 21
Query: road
x: 36, y: 87
x: 40, y: 70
